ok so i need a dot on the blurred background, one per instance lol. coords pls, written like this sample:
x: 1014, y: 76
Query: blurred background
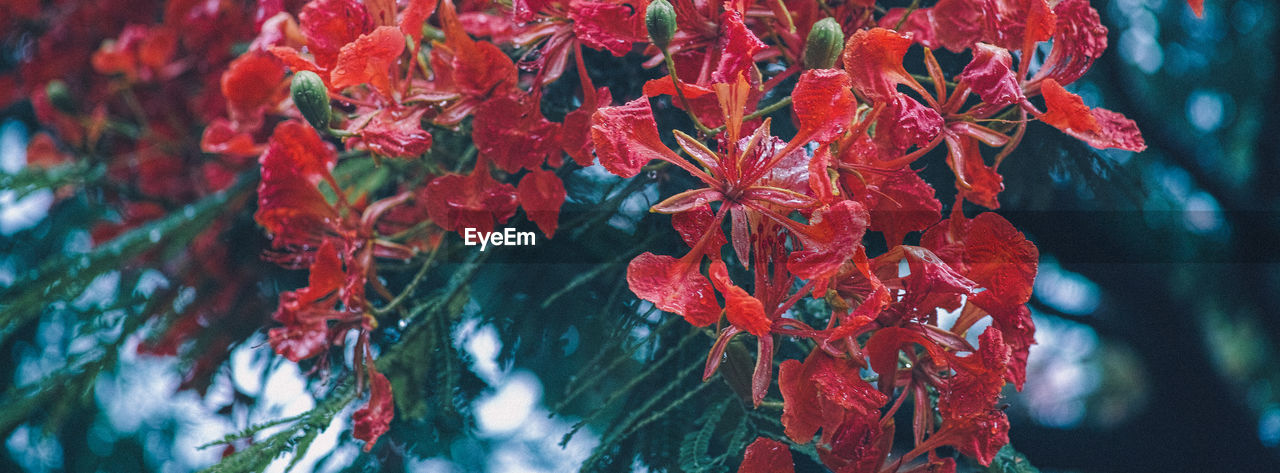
x: 1157, y: 302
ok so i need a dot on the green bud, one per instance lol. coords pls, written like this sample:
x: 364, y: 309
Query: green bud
x: 312, y: 98
x: 826, y: 41
x: 660, y: 19
x: 60, y: 96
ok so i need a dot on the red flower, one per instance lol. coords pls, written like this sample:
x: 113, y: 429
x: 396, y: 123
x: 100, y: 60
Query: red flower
x: 1099, y: 127
x: 369, y: 60
x: 466, y: 68
x: 476, y: 200
x: 541, y: 195
x: 575, y: 133
x: 824, y: 393
x: 900, y: 202
x: 331, y: 24
x: 766, y: 456
x: 392, y: 132
x: 988, y: 250
x: 609, y: 26
x: 873, y: 59
x: 374, y: 419
x: 674, y: 285
x: 512, y: 132
x: 742, y: 310
x: 823, y: 104
x: 414, y: 16
x: 989, y: 74
x: 305, y: 313
x: 738, y: 47
x: 976, y: 182
x: 290, y: 207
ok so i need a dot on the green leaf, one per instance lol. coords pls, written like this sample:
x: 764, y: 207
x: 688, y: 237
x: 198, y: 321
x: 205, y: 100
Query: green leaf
x: 694, y: 449
x: 65, y: 278
x: 1008, y: 460
x: 294, y: 438
x: 30, y: 180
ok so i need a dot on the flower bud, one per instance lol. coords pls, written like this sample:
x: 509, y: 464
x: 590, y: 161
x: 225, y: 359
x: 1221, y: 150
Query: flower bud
x: 826, y: 41
x: 660, y: 19
x: 312, y: 98
x: 60, y: 96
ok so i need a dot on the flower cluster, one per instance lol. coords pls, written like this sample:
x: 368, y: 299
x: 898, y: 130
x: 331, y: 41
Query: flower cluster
x: 797, y: 210
x: 292, y: 89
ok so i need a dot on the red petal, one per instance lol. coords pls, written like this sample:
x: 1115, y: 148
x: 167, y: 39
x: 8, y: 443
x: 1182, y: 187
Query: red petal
x: 832, y: 236
x: 883, y: 347
x: 965, y: 159
x: 331, y: 24
x: 626, y: 138
x: 457, y: 202
x: 157, y: 47
x: 394, y: 136
x: 1114, y: 131
x: 251, y: 82
x: 43, y: 152
x: 906, y: 203
x: 766, y: 456
x: 526, y: 10
x: 477, y: 68
x: 1099, y: 127
x: 976, y: 385
x: 801, y: 415
x: 374, y: 419
x: 1079, y: 38
x: 919, y: 26
x: 979, y: 436
x: 289, y: 205
x: 696, y: 222
x: 575, y: 132
x: 1019, y: 331
x: 742, y: 310
x: 414, y: 16
x: 1066, y: 111
x: 220, y: 137
x: 931, y: 275
x: 1197, y: 7
x: 906, y: 123
x: 873, y: 59
x: 298, y: 342
x: 609, y: 26
x: 326, y: 275
x: 665, y: 86
x: 958, y: 23
x: 989, y: 74
x: 674, y: 286
x: 295, y: 61
x: 541, y: 195
x: 823, y: 104
x: 738, y: 47
x: 1041, y: 23
x: 369, y: 60
x: 1000, y: 259
x: 513, y: 133
x: 839, y: 381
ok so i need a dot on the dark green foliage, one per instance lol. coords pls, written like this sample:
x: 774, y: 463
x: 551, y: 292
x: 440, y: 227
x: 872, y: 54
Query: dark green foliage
x: 1008, y: 460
